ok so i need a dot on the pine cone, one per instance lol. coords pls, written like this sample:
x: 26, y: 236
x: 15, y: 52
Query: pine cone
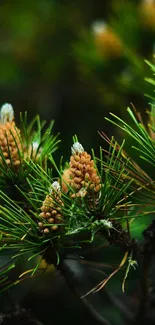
x: 83, y: 174
x: 9, y: 137
x: 51, y: 211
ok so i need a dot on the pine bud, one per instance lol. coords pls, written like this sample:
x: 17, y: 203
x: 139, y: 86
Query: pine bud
x: 55, y: 187
x: 6, y: 113
x: 33, y: 151
x: 77, y: 148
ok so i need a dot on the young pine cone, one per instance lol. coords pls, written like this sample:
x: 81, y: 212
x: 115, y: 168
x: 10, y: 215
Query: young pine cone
x: 83, y: 174
x: 51, y: 210
x: 9, y: 136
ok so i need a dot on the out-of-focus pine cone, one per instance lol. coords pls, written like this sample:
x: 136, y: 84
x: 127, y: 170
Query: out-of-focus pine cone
x: 147, y: 14
x: 51, y: 210
x: 83, y: 174
x: 107, y: 42
x: 10, y: 143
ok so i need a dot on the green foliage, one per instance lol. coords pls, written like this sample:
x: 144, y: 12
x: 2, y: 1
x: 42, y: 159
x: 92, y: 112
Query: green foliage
x: 110, y: 197
x: 61, y: 66
x: 83, y: 217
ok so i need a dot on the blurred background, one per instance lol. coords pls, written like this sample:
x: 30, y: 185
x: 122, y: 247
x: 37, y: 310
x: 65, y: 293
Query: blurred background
x: 75, y: 61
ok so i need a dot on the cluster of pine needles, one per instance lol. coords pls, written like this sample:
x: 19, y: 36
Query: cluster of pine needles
x: 42, y: 216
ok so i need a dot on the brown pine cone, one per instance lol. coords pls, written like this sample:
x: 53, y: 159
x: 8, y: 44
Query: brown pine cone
x: 83, y: 174
x: 51, y: 211
x: 9, y: 137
